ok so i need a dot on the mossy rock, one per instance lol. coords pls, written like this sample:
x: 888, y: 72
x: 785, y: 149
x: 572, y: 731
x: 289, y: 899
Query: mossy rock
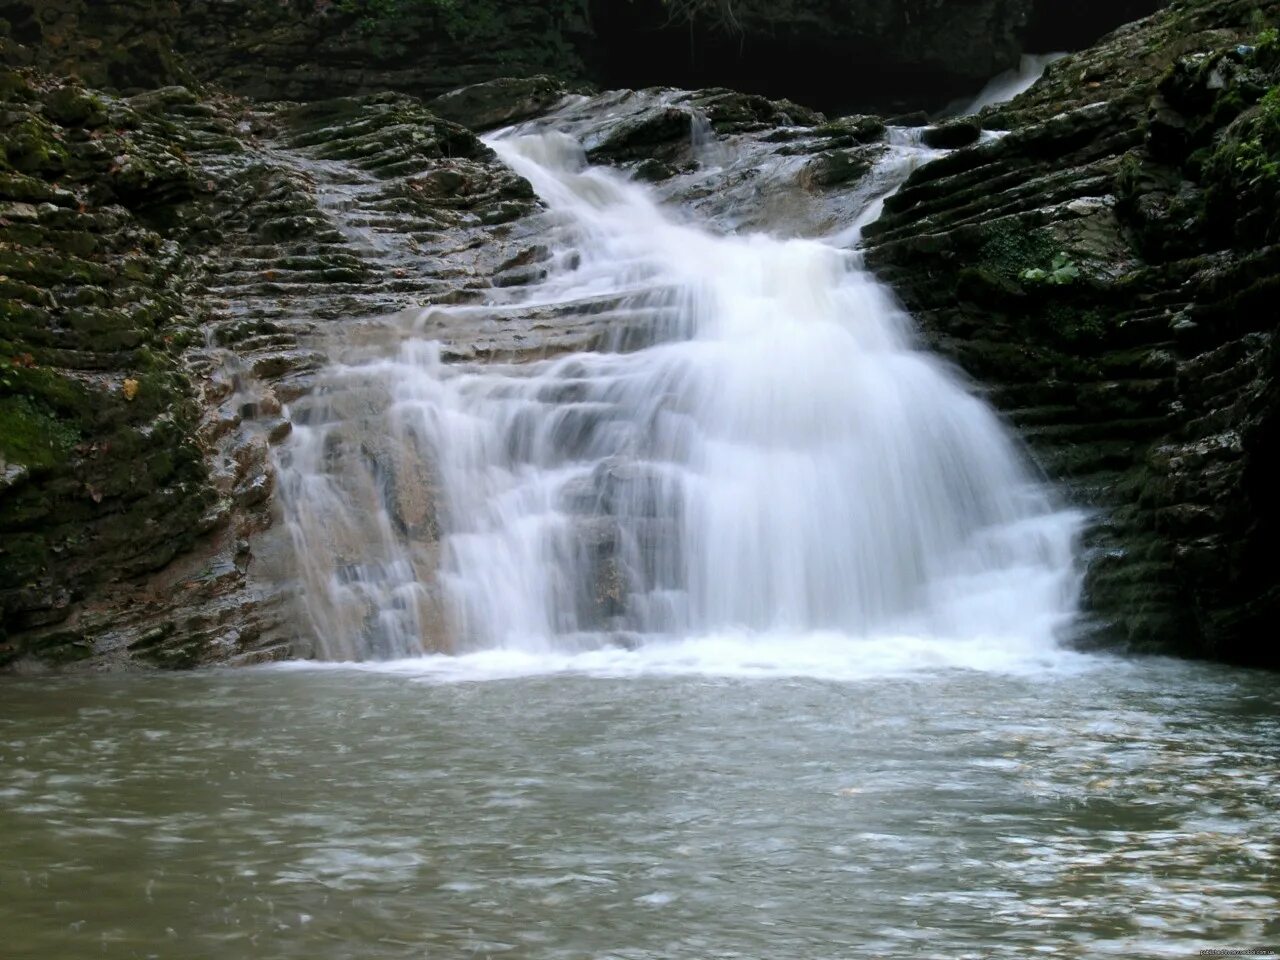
x: 836, y: 168
x: 73, y: 106
x: 30, y: 434
x: 859, y: 128
x: 33, y: 146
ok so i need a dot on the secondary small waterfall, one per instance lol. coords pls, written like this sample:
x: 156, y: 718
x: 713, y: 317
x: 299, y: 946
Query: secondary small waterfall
x: 1011, y: 83
x: 761, y: 450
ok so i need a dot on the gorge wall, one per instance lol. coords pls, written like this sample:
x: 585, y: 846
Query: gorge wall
x: 176, y: 260
x: 1109, y: 267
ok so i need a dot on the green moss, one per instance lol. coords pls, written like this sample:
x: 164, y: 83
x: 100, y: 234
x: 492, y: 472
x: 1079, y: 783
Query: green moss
x: 31, y: 435
x: 74, y: 106
x: 836, y: 167
x: 62, y: 647
x: 13, y: 85
x: 856, y: 129
x: 31, y: 145
x: 25, y: 188
x: 1266, y: 50
x: 1129, y: 177
x: 1075, y: 326
x: 1010, y: 250
x: 62, y: 398
x: 23, y: 556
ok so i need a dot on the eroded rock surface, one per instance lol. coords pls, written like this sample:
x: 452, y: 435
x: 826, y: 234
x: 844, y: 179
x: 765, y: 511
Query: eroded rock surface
x: 1109, y: 268
x: 172, y: 264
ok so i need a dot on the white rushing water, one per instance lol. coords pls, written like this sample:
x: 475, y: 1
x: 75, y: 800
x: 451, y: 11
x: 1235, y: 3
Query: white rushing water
x: 1011, y: 83
x: 775, y: 479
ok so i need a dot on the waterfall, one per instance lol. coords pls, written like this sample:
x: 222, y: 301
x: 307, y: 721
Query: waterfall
x: 1010, y: 84
x: 761, y: 450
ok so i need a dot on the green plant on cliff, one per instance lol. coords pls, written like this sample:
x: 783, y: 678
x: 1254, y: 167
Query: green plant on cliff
x: 1266, y: 49
x: 1059, y: 273
x: 1243, y: 175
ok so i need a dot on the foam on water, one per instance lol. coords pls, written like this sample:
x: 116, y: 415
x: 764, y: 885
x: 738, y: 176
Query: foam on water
x: 741, y: 655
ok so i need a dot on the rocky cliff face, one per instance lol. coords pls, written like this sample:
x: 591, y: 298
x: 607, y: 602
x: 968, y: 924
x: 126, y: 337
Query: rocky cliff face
x: 873, y: 54
x: 1108, y: 266
x: 100, y: 474
x: 300, y: 49
x: 240, y: 249
x: 169, y: 264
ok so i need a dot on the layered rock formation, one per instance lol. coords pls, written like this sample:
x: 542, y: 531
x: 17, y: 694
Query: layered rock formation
x: 101, y: 476
x: 1108, y: 266
x: 137, y: 516
x: 300, y: 49
x: 169, y: 264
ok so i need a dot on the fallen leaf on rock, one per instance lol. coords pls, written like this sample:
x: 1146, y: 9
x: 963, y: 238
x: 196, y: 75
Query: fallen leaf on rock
x: 130, y: 389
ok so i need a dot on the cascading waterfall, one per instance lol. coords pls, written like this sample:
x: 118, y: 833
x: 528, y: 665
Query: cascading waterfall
x: 761, y: 452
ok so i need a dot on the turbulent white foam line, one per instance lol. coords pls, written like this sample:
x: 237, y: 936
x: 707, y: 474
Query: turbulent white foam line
x: 741, y: 655
x: 771, y: 479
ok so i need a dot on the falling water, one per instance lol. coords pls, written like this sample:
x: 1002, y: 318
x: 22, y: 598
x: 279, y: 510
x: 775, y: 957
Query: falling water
x: 1011, y: 83
x: 761, y: 457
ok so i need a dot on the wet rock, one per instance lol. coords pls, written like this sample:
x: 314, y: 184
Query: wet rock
x: 496, y: 103
x: 833, y: 168
x: 891, y: 54
x: 1100, y: 267
x: 133, y: 446
x: 847, y: 131
x: 952, y: 135
x: 647, y: 136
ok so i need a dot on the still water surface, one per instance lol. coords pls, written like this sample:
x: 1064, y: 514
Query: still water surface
x: 1094, y: 808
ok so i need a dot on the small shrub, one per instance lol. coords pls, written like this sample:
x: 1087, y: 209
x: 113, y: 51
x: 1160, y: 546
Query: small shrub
x: 1060, y: 272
